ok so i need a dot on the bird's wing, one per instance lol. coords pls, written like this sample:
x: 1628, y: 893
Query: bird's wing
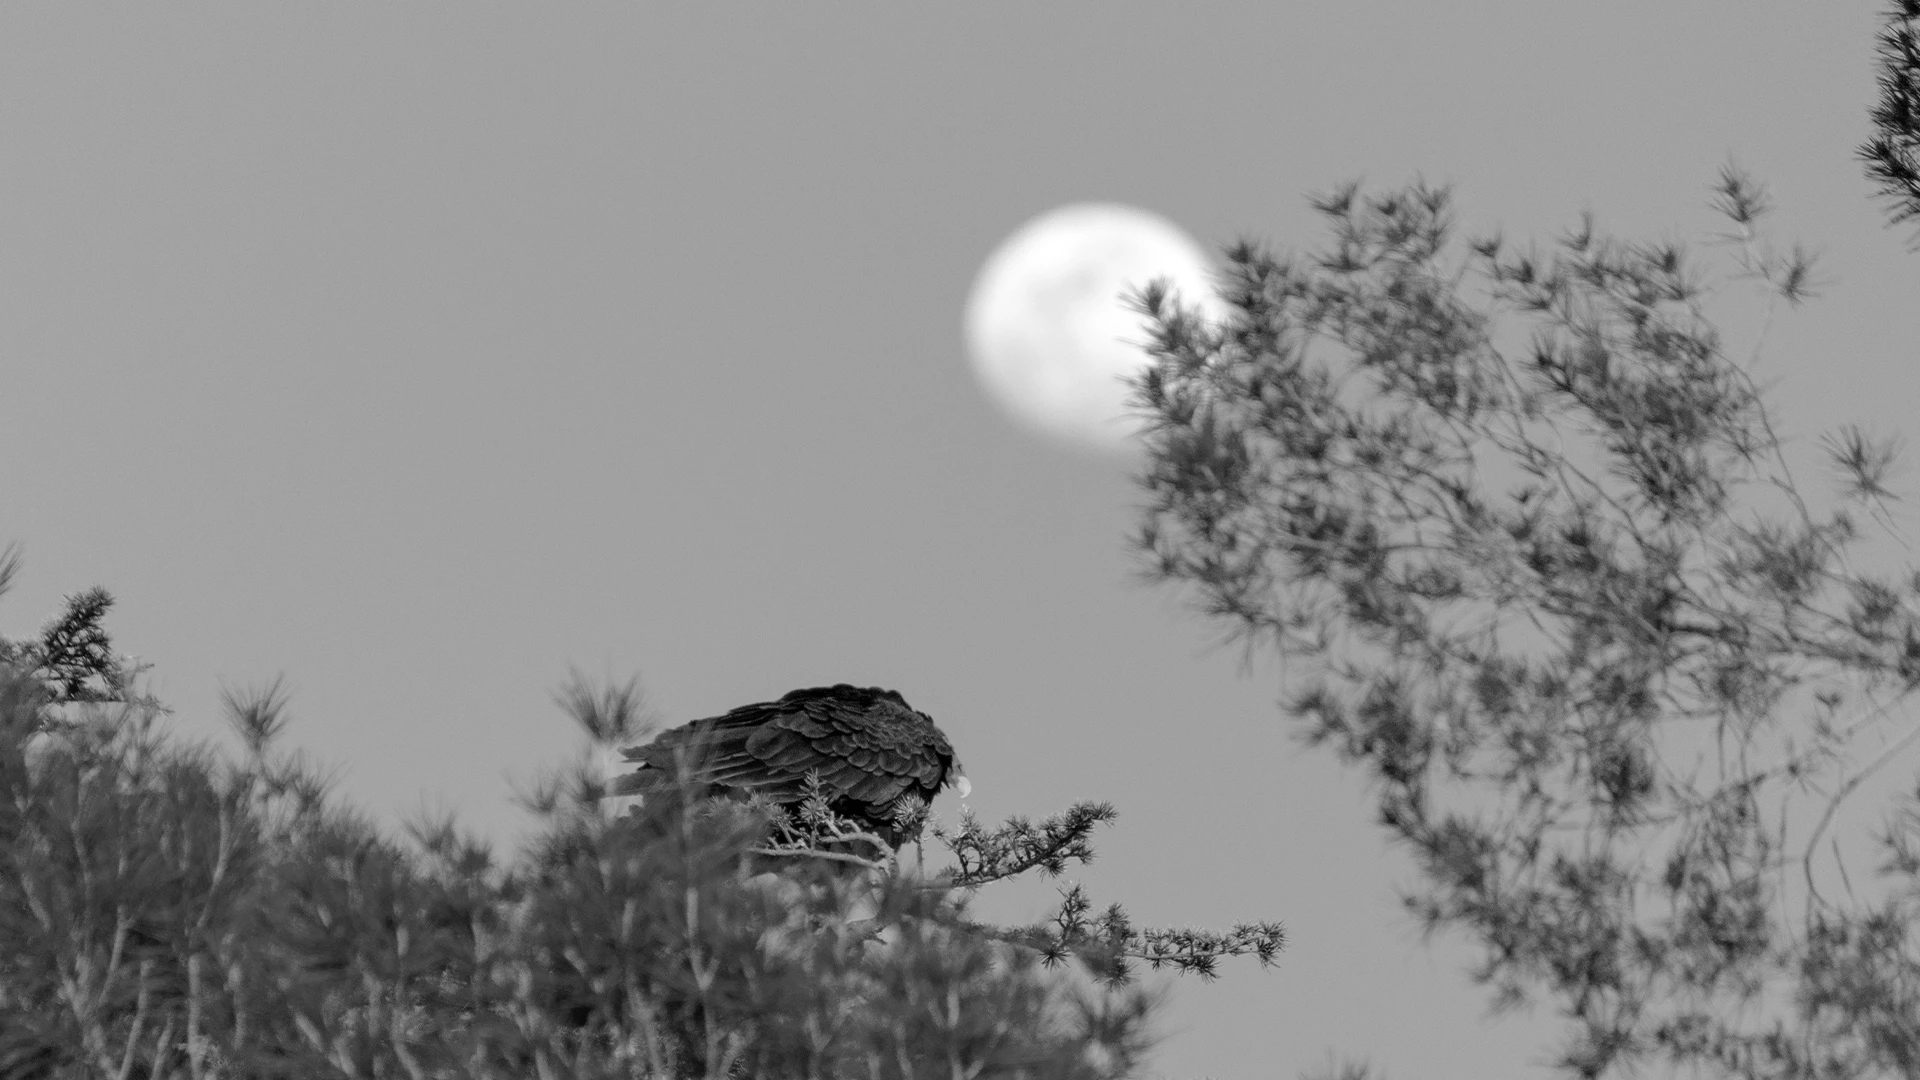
x: 877, y: 748
x: 709, y: 751
x: 864, y: 745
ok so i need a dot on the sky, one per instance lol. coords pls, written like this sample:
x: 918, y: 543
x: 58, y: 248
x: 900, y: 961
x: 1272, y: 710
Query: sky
x: 417, y: 354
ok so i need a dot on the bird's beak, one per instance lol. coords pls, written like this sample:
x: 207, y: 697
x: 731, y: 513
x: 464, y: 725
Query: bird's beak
x: 964, y: 786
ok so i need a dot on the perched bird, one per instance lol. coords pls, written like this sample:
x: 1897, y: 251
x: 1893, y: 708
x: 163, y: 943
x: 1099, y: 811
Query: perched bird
x: 879, y: 761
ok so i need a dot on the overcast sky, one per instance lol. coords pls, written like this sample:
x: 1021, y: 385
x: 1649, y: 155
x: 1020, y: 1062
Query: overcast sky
x: 417, y: 354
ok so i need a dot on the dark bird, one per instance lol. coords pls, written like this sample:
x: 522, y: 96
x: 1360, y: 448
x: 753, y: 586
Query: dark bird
x: 879, y: 761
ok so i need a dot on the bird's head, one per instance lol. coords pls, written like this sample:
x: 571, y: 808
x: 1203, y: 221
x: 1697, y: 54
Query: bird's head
x: 957, y: 780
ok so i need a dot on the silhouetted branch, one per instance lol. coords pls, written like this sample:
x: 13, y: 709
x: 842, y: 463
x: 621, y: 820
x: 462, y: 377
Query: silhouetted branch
x: 1018, y: 846
x: 1892, y: 155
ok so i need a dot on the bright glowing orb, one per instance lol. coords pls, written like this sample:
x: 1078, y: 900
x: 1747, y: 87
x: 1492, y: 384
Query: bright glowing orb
x: 1046, y: 325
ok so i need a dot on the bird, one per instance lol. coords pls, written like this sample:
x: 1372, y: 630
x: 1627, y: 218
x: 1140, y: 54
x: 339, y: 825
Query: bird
x: 879, y: 761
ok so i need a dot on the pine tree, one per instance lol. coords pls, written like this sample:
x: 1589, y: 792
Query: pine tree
x: 1529, y: 547
x: 168, y: 913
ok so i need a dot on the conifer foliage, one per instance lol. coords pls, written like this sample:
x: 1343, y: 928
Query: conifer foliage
x: 1892, y: 155
x: 166, y: 913
x: 1524, y: 532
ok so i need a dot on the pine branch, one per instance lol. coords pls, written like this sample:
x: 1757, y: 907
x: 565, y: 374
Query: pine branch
x: 1019, y: 845
x: 74, y: 656
x: 1892, y: 155
x: 1106, y: 941
x: 1609, y: 670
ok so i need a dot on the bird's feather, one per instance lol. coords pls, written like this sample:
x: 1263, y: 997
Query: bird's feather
x: 872, y: 753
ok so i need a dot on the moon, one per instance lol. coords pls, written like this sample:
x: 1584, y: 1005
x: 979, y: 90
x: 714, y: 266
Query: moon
x: 1047, y: 327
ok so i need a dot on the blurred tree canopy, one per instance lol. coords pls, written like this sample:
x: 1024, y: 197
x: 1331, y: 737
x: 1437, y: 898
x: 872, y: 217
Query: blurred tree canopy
x: 1527, y: 541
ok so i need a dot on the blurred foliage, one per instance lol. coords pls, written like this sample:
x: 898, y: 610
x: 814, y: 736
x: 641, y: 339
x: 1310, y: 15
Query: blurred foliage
x: 1529, y: 546
x: 166, y: 913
